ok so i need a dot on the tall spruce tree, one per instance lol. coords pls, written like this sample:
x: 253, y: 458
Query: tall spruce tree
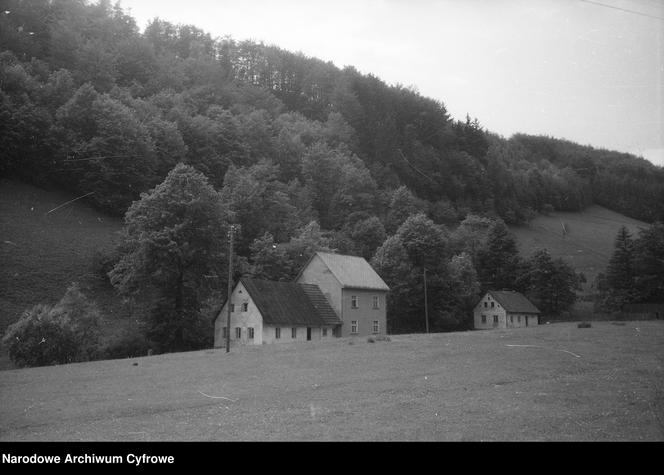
x: 620, y: 277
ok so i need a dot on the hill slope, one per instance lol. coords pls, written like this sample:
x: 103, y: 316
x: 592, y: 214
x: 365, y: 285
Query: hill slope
x: 584, y: 239
x: 42, y: 253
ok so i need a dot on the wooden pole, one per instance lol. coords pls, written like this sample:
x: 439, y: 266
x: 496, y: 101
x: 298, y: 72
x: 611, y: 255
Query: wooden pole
x: 426, y: 304
x: 230, y: 289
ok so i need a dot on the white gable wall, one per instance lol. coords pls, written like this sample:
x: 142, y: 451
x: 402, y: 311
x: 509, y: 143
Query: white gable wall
x: 244, y: 320
x: 484, y: 307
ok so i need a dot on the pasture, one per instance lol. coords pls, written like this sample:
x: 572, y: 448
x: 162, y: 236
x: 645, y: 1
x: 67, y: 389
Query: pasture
x: 551, y: 382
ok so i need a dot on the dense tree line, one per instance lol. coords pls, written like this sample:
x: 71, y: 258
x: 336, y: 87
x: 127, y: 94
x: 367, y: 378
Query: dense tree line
x: 635, y: 273
x: 91, y: 104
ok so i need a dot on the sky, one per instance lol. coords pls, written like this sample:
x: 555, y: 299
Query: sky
x: 587, y: 71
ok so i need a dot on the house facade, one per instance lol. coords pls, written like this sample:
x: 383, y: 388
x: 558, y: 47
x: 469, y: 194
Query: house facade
x: 264, y: 312
x: 353, y: 289
x: 505, y: 309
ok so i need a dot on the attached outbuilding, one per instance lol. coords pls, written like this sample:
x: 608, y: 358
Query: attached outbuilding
x: 505, y: 309
x: 264, y: 311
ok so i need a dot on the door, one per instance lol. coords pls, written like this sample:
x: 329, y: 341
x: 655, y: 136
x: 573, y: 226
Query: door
x: 308, y: 333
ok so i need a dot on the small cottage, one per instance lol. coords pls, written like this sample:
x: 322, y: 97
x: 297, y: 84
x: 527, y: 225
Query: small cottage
x: 505, y: 309
x: 264, y: 311
x: 354, y: 290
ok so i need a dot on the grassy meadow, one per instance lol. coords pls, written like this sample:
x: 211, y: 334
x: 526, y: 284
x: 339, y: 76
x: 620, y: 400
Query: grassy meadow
x: 551, y: 382
x: 583, y: 239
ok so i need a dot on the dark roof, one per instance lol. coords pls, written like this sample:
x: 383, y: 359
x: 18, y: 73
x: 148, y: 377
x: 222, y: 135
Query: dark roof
x: 288, y: 303
x: 351, y: 271
x: 513, y: 302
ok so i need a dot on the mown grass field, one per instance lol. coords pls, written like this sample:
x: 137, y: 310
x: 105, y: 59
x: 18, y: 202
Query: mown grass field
x: 586, y: 244
x: 552, y: 382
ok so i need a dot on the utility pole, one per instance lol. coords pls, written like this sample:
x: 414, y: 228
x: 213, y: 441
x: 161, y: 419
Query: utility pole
x: 231, y: 230
x: 426, y: 305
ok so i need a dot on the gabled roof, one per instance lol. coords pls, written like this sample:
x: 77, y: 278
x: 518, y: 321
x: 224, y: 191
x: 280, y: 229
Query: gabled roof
x: 288, y: 303
x: 352, y: 271
x: 513, y: 302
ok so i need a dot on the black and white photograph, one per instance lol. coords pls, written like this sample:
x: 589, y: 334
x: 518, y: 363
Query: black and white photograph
x: 328, y: 221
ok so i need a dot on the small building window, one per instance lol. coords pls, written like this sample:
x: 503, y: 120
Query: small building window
x: 353, y: 326
x: 245, y: 306
x: 238, y: 333
x: 376, y: 301
x: 376, y: 326
x: 324, y: 331
x: 483, y: 318
x: 511, y: 318
x: 492, y: 304
x: 232, y: 307
x: 495, y: 319
x: 486, y: 304
x: 354, y: 302
x: 250, y: 333
x: 277, y: 333
x: 294, y: 332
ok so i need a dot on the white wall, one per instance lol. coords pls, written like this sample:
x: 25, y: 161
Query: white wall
x: 269, y: 334
x: 489, y: 311
x: 245, y: 320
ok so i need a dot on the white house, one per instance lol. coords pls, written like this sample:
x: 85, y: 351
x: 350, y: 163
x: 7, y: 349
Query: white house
x: 264, y: 311
x: 354, y: 290
x: 505, y: 309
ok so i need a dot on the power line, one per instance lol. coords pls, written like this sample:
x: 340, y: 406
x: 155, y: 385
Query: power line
x: 622, y: 9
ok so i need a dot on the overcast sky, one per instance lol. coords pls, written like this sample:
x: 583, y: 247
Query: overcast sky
x: 582, y: 70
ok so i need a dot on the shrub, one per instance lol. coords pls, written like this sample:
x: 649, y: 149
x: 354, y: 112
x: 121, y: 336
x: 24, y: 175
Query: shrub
x: 103, y: 261
x: 127, y: 345
x: 55, y: 334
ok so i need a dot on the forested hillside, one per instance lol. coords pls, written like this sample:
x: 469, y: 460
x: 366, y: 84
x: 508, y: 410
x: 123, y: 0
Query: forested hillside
x: 91, y: 103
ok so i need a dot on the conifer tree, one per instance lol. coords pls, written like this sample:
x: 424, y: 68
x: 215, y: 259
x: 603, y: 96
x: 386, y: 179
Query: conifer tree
x: 620, y: 272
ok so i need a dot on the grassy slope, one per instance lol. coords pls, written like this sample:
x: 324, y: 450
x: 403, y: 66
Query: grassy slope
x: 601, y: 383
x: 41, y: 254
x: 588, y: 243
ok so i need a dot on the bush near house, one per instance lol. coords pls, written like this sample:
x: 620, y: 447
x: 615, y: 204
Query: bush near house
x: 55, y: 334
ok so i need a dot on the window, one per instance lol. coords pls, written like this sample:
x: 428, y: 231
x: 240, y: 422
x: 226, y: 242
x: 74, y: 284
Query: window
x: 376, y: 326
x: 495, y: 319
x: 324, y: 331
x: 511, y: 318
x: 277, y: 333
x: 245, y: 306
x: 376, y: 301
x: 492, y: 304
x: 250, y: 333
x: 294, y: 332
x: 232, y: 307
x: 353, y: 326
x: 483, y: 318
x: 224, y: 332
x: 354, y: 302
x: 518, y: 318
x: 238, y: 333
x: 486, y: 304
